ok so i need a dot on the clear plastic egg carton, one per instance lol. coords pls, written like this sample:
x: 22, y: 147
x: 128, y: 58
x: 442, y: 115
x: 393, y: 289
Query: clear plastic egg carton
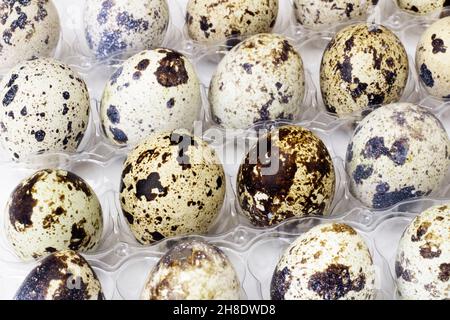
x: 122, y: 264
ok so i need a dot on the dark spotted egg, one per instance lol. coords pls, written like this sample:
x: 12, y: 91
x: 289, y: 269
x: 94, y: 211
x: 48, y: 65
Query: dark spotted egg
x: 433, y: 58
x: 398, y: 152
x: 420, y: 7
x: 329, y: 262
x: 322, y: 14
x: 123, y: 26
x: 363, y: 66
x: 422, y: 267
x: 288, y: 173
x: 260, y: 79
x: 45, y: 108
x: 63, y: 275
x: 172, y: 184
x: 193, y: 270
x: 219, y: 20
x: 29, y: 29
x: 152, y: 91
x: 50, y: 211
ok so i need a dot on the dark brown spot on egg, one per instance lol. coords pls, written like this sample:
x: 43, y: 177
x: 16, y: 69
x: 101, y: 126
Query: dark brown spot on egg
x: 400, y: 272
x: 420, y: 232
x: 151, y: 187
x: 73, y: 180
x: 444, y: 274
x: 280, y: 284
x: 171, y: 71
x: 430, y: 251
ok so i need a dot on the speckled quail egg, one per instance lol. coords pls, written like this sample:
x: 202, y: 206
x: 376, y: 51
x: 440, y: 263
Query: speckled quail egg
x: 51, y: 211
x: 152, y: 91
x: 172, y: 184
x: 420, y: 7
x: 288, y: 173
x: 433, y: 58
x: 193, y: 270
x: 113, y: 26
x: 29, y: 28
x: 261, y: 79
x: 320, y: 14
x: 45, y: 108
x: 62, y: 275
x: 363, y: 66
x: 220, y: 20
x: 398, y: 152
x: 422, y: 266
x: 329, y: 262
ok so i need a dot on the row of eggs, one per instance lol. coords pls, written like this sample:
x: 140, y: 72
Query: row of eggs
x: 46, y: 104
x: 329, y: 262
x: 31, y: 28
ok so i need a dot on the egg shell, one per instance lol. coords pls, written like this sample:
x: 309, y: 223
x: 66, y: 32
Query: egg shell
x: 420, y: 7
x: 261, y: 79
x: 219, y: 20
x: 63, y: 275
x: 433, y: 58
x: 112, y: 26
x: 288, y: 173
x: 422, y: 267
x: 152, y: 91
x: 51, y: 211
x: 322, y: 14
x: 398, y: 152
x: 363, y: 65
x: 45, y: 109
x: 329, y: 262
x: 29, y: 29
x: 172, y: 184
x: 193, y: 270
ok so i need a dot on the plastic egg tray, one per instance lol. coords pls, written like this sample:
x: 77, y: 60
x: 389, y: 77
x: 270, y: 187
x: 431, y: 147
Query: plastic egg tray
x: 122, y: 264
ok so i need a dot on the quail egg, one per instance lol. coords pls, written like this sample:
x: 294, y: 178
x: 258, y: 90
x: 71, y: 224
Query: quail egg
x: 218, y: 20
x: 398, y: 152
x: 172, y: 184
x: 29, y: 29
x: 422, y: 266
x: 50, y: 211
x: 124, y: 26
x: 193, y: 270
x: 363, y: 66
x: 288, y: 173
x: 261, y: 79
x: 433, y: 58
x: 45, y: 108
x: 63, y: 275
x: 320, y: 14
x: 420, y: 7
x: 329, y: 262
x: 152, y: 91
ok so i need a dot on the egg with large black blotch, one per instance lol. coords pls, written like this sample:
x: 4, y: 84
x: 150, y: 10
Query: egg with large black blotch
x: 193, y: 270
x: 364, y: 65
x: 63, y: 275
x: 50, y: 211
x: 288, y: 173
x: 329, y: 262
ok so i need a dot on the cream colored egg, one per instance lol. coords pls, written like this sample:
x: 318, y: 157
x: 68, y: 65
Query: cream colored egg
x: 420, y: 7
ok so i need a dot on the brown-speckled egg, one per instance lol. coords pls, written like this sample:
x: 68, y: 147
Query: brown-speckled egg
x: 193, y: 270
x: 398, y: 152
x: 152, y: 91
x: 44, y: 108
x: 420, y: 7
x: 433, y: 58
x: 218, y: 20
x: 261, y: 79
x: 29, y: 28
x: 288, y: 173
x: 62, y: 275
x: 50, y: 211
x: 363, y: 65
x: 172, y: 184
x: 322, y: 14
x: 329, y: 262
x: 422, y: 267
